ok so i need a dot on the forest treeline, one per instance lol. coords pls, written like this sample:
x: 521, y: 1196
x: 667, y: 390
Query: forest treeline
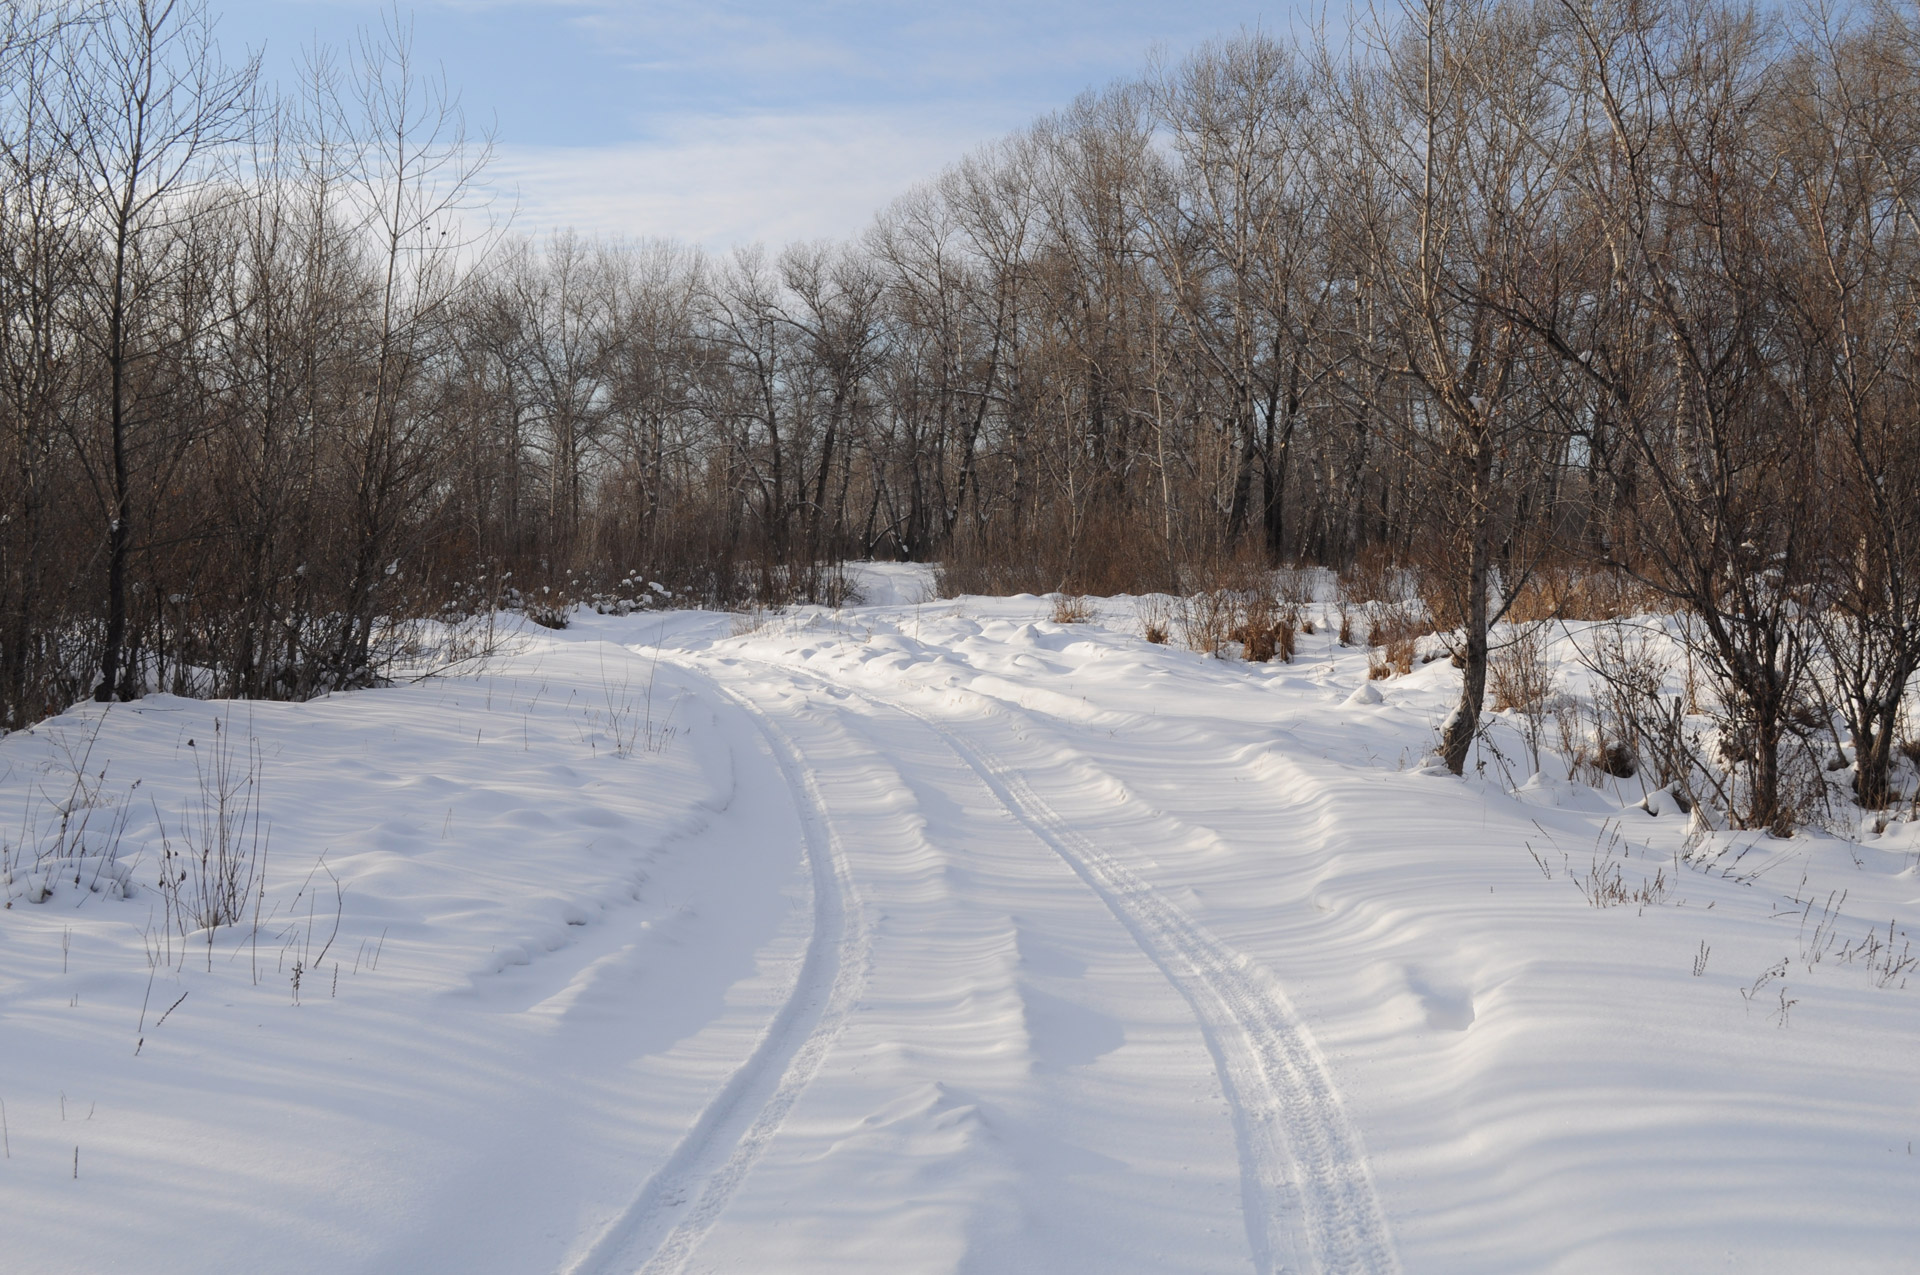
x: 1489, y: 288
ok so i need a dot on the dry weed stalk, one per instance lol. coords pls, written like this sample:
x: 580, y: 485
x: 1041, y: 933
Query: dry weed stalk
x: 1604, y: 883
x: 216, y: 874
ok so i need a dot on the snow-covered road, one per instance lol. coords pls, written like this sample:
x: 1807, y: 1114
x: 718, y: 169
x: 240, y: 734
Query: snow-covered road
x: 945, y: 887
x: 926, y: 937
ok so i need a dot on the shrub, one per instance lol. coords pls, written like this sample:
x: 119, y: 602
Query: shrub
x: 1155, y: 613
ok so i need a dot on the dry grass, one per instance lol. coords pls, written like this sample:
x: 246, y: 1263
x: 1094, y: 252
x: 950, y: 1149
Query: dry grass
x: 1605, y: 884
x: 1564, y: 593
x: 1265, y: 638
x: 1072, y: 608
x: 1387, y: 595
x: 1395, y: 629
x: 1257, y: 621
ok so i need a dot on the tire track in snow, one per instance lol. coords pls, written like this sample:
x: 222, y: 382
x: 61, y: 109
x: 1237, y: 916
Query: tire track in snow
x: 1285, y: 1103
x: 1303, y: 1166
x: 660, y: 1230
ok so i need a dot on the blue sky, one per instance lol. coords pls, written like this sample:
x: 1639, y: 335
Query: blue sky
x: 741, y: 120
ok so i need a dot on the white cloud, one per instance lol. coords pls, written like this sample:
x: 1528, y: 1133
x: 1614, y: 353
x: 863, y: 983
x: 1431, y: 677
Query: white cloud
x: 726, y: 121
x: 721, y: 182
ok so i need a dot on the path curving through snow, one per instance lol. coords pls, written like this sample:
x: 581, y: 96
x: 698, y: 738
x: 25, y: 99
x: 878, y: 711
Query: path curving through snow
x: 1306, y: 1197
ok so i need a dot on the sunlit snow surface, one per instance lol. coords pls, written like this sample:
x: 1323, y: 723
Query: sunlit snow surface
x: 930, y: 935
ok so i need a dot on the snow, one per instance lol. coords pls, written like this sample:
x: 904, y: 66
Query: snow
x: 933, y: 936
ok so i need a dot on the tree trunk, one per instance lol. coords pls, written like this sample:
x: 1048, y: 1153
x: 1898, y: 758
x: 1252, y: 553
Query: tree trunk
x: 1456, y: 736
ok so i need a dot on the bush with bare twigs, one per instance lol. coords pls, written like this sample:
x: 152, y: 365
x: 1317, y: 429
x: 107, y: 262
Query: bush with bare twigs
x: 1238, y: 609
x: 1155, y: 613
x: 1522, y: 682
x: 1205, y: 620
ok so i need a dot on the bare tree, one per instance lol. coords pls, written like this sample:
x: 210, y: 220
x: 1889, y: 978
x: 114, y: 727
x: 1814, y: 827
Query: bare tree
x: 1236, y: 228
x: 1847, y: 273
x: 155, y: 105
x: 1458, y: 122
x: 1687, y: 190
x: 415, y: 178
x: 836, y: 314
x: 40, y: 379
